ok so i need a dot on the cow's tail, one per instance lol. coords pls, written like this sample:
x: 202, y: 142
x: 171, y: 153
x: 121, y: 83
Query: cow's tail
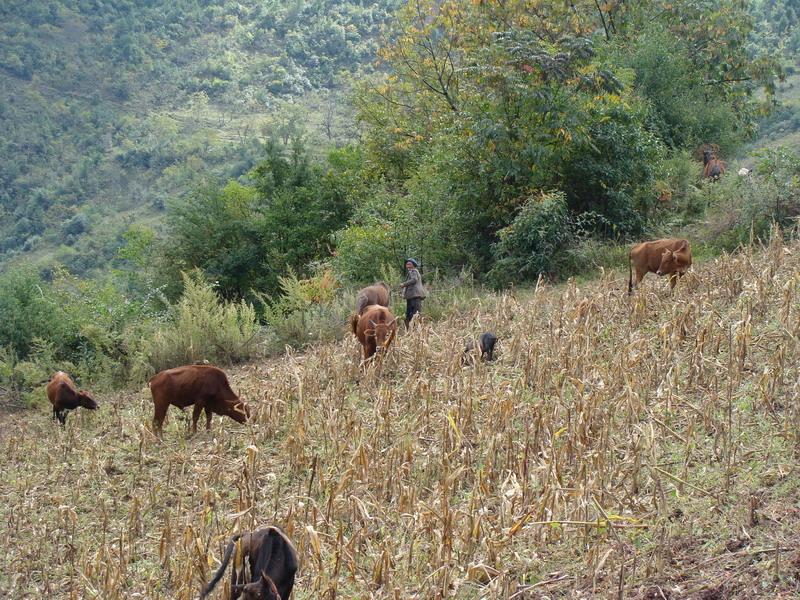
x: 630, y: 275
x: 221, y: 571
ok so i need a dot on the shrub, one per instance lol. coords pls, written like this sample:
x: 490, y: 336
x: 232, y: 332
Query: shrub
x: 365, y: 252
x: 202, y: 327
x: 744, y: 209
x: 28, y: 310
x: 678, y: 174
x: 588, y: 256
x: 22, y: 382
x: 534, y: 242
x: 308, y: 310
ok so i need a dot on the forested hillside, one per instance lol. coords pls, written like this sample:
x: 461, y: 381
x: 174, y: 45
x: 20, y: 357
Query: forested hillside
x: 776, y: 30
x: 108, y: 109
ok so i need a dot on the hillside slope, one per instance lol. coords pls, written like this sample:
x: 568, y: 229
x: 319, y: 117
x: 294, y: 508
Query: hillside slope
x: 646, y: 445
x: 109, y: 109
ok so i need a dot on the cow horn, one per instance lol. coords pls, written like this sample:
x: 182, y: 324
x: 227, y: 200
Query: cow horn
x: 371, y: 322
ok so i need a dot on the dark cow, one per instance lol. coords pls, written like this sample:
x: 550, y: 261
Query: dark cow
x: 273, y: 564
x: 204, y: 386
x: 486, y: 343
x: 378, y: 293
x: 263, y: 589
x: 671, y: 257
x: 64, y: 396
x: 375, y: 329
x: 713, y: 168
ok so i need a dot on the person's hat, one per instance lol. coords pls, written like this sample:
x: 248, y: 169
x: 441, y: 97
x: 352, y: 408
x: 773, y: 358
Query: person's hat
x: 412, y: 261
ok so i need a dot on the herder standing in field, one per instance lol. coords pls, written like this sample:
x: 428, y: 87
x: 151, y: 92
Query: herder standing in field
x: 413, y: 291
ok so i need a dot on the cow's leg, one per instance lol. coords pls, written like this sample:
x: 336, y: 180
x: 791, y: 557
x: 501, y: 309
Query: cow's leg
x: 198, y: 408
x: 208, y: 419
x: 159, y: 414
x: 639, y: 276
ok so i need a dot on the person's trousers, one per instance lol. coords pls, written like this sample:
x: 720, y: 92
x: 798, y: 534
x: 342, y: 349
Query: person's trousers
x: 413, y: 307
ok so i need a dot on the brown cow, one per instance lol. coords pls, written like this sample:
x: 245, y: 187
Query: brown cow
x: 375, y: 329
x: 64, y: 397
x: 378, y: 293
x: 663, y: 257
x: 273, y: 564
x: 204, y: 386
x: 713, y: 168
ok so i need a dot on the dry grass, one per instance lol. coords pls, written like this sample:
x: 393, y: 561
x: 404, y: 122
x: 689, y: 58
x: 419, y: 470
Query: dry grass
x: 641, y: 448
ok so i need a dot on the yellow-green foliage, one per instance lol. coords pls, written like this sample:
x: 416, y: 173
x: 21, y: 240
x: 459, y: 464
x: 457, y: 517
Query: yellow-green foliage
x: 308, y: 310
x: 203, y: 327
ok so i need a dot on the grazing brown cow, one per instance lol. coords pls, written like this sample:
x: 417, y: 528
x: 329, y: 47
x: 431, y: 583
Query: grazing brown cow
x: 204, y: 386
x: 663, y: 257
x: 713, y: 168
x: 378, y: 293
x: 375, y: 329
x: 273, y: 564
x: 64, y: 397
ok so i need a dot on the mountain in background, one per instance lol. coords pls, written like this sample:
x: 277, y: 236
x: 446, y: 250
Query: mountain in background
x: 110, y: 108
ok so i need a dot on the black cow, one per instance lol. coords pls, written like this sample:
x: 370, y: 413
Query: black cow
x: 272, y: 558
x: 486, y: 343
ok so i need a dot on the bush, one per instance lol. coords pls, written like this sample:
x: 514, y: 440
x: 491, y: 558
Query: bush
x: 365, y: 252
x: 534, y: 242
x: 202, y: 327
x: 588, y: 256
x: 679, y: 174
x: 20, y: 380
x: 28, y: 311
x: 744, y: 209
x: 308, y: 310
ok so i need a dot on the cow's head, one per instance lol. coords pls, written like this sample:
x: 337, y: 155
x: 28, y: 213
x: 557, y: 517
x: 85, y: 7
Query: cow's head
x: 239, y: 411
x: 383, y: 333
x: 263, y: 589
x: 708, y: 154
x: 86, y: 401
x: 669, y: 263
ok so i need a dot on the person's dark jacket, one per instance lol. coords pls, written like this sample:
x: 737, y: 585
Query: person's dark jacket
x: 412, y: 287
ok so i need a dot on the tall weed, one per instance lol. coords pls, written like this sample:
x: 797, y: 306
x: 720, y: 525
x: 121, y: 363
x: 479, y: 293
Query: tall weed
x: 201, y: 326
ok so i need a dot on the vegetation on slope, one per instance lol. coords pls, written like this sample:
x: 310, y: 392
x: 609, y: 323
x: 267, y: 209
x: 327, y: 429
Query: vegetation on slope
x: 646, y: 445
x: 495, y: 146
x: 114, y: 107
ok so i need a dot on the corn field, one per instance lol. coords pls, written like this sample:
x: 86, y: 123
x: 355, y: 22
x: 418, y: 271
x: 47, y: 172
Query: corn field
x: 641, y: 447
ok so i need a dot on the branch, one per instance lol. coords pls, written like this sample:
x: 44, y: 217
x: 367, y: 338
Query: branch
x: 602, y: 19
x: 733, y: 80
